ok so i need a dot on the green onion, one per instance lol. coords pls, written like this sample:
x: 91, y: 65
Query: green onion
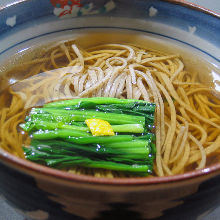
x: 61, y: 138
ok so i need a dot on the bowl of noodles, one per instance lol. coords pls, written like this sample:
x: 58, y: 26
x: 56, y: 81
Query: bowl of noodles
x: 109, y: 109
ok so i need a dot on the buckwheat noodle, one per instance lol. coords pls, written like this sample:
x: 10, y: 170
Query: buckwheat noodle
x: 187, y: 123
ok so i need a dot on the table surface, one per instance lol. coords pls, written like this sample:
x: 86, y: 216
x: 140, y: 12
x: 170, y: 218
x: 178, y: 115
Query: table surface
x: 8, y: 213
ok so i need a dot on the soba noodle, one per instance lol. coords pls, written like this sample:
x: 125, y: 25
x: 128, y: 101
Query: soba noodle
x: 187, y: 123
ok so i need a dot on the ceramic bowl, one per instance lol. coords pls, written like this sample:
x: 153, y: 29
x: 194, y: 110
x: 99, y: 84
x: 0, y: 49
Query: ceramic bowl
x: 43, y: 193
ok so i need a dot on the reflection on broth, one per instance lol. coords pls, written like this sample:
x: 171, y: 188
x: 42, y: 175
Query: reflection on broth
x: 183, y: 87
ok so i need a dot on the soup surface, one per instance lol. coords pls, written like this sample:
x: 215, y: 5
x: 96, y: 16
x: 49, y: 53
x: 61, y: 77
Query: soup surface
x: 182, y: 87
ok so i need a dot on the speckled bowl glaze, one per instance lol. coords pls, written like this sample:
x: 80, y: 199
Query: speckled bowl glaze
x: 42, y: 193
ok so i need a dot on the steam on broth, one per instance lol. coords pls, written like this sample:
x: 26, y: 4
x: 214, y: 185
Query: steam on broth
x: 187, y: 121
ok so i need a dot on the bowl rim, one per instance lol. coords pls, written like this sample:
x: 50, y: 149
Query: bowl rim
x: 194, y: 6
x: 28, y: 166
x: 183, y: 3
x: 7, y: 5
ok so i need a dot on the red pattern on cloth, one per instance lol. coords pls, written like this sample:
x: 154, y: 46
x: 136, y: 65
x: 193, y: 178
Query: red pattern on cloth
x: 63, y: 3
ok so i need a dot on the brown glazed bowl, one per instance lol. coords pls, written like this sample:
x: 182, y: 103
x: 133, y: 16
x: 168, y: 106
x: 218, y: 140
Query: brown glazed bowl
x: 43, y: 193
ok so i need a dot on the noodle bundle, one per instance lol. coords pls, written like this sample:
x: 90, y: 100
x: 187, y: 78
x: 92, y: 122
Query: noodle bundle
x: 187, y: 123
